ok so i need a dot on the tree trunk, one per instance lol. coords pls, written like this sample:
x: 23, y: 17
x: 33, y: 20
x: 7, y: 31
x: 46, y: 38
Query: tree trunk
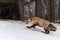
x: 21, y: 8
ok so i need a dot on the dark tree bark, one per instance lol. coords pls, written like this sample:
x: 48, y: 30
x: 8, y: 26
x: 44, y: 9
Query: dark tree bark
x: 38, y: 8
x: 59, y: 10
x: 49, y: 10
x: 21, y: 8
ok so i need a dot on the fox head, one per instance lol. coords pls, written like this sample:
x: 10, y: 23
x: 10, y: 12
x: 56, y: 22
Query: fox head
x: 51, y: 27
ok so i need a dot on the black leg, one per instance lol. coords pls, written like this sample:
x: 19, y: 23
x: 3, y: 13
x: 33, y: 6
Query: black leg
x: 33, y: 26
x: 47, y: 31
x: 28, y: 26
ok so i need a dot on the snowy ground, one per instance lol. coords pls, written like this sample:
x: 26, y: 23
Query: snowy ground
x: 16, y: 30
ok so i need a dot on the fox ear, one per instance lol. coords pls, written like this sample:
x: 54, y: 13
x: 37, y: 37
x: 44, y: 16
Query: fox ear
x: 30, y: 18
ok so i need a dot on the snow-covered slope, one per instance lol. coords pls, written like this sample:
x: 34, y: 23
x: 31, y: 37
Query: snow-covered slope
x: 16, y: 30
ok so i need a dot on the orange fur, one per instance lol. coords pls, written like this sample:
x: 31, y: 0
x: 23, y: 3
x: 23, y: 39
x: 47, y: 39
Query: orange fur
x: 41, y: 22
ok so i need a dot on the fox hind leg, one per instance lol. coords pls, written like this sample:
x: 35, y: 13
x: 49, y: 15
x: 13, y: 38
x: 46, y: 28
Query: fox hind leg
x: 47, y: 31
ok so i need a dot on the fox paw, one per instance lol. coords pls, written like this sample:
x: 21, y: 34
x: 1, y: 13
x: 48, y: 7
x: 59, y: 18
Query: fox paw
x: 47, y: 32
x: 28, y: 27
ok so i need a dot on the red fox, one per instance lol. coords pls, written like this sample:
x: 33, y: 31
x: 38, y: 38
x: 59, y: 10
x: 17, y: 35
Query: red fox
x: 36, y: 21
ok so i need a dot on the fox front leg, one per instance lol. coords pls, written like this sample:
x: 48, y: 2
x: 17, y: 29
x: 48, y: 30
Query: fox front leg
x: 33, y: 26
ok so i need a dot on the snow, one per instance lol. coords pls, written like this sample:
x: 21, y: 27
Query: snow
x: 16, y: 30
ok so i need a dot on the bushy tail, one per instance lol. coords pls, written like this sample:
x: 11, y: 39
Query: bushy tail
x: 51, y: 27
